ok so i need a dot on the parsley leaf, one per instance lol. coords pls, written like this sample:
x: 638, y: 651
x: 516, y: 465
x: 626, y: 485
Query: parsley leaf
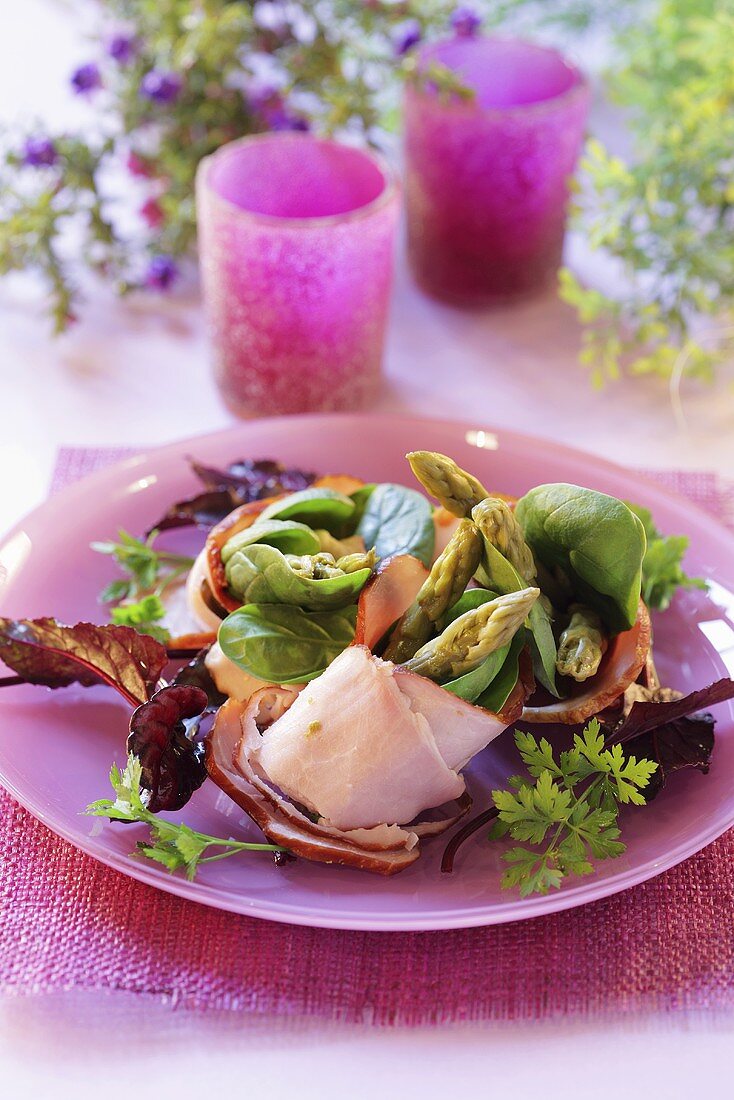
x: 137, y: 597
x: 569, y: 814
x: 662, y: 572
x: 174, y: 846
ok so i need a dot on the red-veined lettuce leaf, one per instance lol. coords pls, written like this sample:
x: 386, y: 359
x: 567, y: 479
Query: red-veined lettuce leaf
x: 43, y: 651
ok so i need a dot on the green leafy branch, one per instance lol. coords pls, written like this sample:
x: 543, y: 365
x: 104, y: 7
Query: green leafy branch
x: 668, y: 216
x: 137, y: 597
x: 176, y: 846
x: 569, y: 815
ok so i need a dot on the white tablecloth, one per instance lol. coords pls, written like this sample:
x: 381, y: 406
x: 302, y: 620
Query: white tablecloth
x: 136, y: 374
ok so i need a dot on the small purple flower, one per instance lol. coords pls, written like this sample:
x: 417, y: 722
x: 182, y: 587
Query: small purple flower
x: 260, y: 96
x: 406, y: 35
x: 40, y: 152
x: 122, y: 47
x: 87, y: 78
x: 465, y: 21
x: 162, y: 273
x: 282, y: 119
x: 161, y: 86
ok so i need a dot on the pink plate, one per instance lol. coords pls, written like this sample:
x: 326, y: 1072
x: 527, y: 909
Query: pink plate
x: 56, y: 748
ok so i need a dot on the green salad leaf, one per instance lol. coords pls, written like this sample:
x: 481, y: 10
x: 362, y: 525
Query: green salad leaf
x: 499, y: 690
x: 262, y: 574
x: 285, y: 644
x: 662, y: 571
x: 398, y: 520
x: 595, y: 539
x: 288, y: 536
x: 317, y: 508
x: 472, y: 684
x: 501, y: 576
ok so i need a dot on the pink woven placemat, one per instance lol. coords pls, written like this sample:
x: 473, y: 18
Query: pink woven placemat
x: 69, y: 923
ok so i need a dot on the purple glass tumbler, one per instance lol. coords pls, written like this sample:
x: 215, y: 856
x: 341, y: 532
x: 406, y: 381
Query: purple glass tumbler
x: 296, y: 243
x: 486, y: 177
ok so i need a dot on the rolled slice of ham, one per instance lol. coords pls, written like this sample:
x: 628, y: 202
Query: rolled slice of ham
x: 386, y: 596
x: 280, y: 822
x: 368, y: 744
x: 622, y: 663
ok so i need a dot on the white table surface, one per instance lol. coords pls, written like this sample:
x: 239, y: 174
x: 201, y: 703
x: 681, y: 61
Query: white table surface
x: 136, y: 374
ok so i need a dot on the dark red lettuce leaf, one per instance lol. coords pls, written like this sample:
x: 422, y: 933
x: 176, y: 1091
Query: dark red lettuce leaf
x: 675, y: 734
x: 644, y: 717
x: 225, y: 489
x: 680, y: 743
x: 196, y: 674
x: 163, y: 738
x: 43, y: 651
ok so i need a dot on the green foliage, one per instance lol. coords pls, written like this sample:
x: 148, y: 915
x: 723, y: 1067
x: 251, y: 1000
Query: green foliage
x: 594, y: 539
x: 397, y: 520
x: 668, y: 216
x: 318, y: 508
x: 283, y: 644
x: 173, y: 845
x: 289, y: 537
x: 497, y: 573
x: 662, y: 571
x: 137, y: 597
x: 569, y: 815
x: 260, y: 574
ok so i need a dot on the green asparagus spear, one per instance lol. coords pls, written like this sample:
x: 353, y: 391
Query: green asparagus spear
x: 453, y: 487
x: 497, y: 523
x: 412, y: 631
x: 581, y: 645
x: 449, y: 576
x: 469, y: 640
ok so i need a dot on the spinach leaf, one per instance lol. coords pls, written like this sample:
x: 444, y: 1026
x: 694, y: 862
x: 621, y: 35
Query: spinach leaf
x: 284, y: 644
x: 472, y: 684
x: 315, y: 507
x: 499, y: 690
x: 662, y: 572
x: 595, y: 539
x: 468, y: 601
x: 397, y: 520
x: 497, y: 572
x: 261, y: 574
x: 287, y: 535
x: 360, y: 497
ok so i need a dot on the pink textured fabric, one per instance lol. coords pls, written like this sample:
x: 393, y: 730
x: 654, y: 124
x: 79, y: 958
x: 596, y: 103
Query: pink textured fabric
x: 69, y: 923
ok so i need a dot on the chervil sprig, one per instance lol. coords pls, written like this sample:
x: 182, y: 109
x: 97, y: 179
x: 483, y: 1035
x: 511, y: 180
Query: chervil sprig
x: 149, y: 572
x: 570, y: 813
x: 175, y: 846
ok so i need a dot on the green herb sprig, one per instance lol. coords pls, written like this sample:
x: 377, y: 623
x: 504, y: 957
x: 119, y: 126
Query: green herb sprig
x: 662, y: 570
x: 569, y: 815
x: 137, y: 597
x: 176, y: 846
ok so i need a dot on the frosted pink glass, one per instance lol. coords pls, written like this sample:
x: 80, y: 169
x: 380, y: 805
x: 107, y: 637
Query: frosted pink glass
x: 296, y: 242
x: 487, y: 179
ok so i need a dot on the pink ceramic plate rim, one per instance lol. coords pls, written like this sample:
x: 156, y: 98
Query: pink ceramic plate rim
x: 451, y: 917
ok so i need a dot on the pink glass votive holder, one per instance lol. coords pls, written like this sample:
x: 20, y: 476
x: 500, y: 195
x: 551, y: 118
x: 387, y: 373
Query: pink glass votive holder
x: 296, y: 244
x: 486, y: 178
